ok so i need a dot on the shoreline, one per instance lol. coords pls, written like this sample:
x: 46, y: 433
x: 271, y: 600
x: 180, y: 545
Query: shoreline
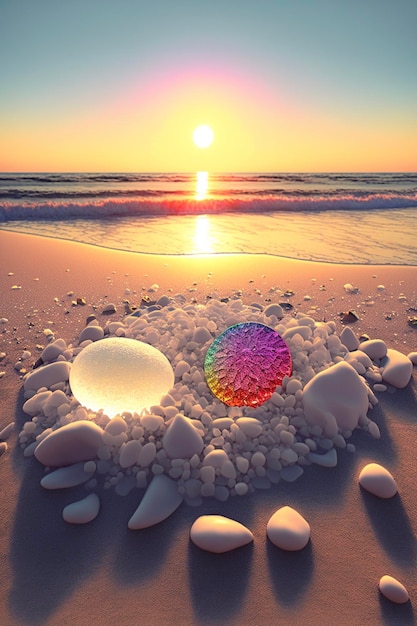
x: 112, y: 574
x: 211, y: 255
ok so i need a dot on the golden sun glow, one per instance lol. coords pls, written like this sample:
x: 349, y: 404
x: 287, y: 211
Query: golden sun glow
x: 203, y: 136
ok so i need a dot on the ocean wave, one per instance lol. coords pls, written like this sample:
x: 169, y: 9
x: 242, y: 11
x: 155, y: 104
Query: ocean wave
x: 11, y: 211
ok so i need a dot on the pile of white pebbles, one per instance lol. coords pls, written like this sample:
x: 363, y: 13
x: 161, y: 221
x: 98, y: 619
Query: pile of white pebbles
x: 191, y: 446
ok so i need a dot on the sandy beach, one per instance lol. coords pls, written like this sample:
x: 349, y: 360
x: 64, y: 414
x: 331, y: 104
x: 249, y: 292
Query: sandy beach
x: 102, y: 573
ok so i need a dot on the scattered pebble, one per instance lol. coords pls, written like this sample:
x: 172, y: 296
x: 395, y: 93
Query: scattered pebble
x: 288, y: 530
x: 83, y: 511
x: 378, y: 481
x: 393, y: 590
x: 6, y: 431
x: 219, y: 534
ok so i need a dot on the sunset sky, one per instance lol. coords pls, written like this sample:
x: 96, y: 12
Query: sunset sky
x: 301, y: 85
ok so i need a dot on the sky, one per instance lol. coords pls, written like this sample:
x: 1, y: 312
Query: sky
x: 285, y: 85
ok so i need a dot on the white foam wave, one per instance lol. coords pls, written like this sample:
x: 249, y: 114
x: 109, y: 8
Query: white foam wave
x: 11, y: 211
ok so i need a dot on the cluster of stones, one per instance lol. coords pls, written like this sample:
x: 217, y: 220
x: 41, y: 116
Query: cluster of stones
x: 206, y: 448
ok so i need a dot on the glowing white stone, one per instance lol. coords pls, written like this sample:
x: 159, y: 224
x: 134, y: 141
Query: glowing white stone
x: 119, y: 374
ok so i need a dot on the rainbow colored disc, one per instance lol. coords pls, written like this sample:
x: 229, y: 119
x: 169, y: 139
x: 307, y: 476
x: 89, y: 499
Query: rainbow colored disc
x: 244, y: 364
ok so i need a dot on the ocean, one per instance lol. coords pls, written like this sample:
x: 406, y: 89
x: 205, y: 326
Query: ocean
x: 343, y: 218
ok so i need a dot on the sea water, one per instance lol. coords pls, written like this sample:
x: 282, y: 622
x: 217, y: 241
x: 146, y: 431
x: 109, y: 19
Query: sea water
x: 344, y: 218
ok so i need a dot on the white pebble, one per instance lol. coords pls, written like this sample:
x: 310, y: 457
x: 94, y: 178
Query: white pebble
x: 393, y: 590
x: 288, y: 530
x: 378, y: 481
x: 219, y: 534
x: 6, y: 431
x: 83, y: 511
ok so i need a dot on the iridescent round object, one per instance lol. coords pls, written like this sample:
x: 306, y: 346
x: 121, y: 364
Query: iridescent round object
x: 244, y: 365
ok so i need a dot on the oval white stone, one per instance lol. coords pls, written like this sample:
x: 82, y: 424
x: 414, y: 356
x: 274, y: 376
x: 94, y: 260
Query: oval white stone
x: 251, y: 426
x: 287, y: 529
x: 392, y: 589
x: 374, y: 348
x: 378, y: 481
x: 73, y: 443
x: 66, y: 477
x: 160, y: 500
x: 93, y: 333
x: 119, y: 374
x: 47, y: 376
x: 219, y: 534
x: 82, y: 511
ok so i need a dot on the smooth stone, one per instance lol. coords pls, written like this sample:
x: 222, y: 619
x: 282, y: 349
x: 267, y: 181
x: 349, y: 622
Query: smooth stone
x: 336, y: 398
x: 82, y: 511
x: 129, y: 453
x: 219, y: 534
x: 182, y: 440
x: 35, y: 404
x: 53, y: 350
x: 274, y: 309
x: 288, y: 530
x: 47, y: 375
x: 73, y: 443
x: 6, y: 431
x: 393, y: 590
x: 413, y: 357
x: 329, y: 459
x: 360, y: 357
x: 378, y: 481
x: 374, y: 348
x: 216, y: 458
x: 251, y: 426
x: 398, y: 369
x: 160, y: 500
x: 291, y: 473
x: 64, y: 477
x: 349, y: 339
x: 91, y: 333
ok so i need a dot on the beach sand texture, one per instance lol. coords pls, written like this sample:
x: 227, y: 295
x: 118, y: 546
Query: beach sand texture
x: 55, y: 573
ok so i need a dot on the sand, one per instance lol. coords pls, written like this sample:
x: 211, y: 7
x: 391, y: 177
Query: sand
x: 55, y: 573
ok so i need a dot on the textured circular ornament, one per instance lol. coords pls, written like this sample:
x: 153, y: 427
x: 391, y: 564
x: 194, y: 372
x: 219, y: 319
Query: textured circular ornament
x: 244, y: 364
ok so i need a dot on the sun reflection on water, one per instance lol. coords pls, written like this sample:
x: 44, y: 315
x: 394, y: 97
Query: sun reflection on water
x: 202, y: 185
x: 203, y: 240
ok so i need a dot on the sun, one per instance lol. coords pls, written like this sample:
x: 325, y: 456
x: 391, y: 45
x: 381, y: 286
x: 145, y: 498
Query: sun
x: 203, y: 136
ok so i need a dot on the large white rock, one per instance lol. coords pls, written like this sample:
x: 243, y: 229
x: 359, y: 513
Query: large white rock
x: 47, y: 375
x: 160, y: 500
x: 182, y: 440
x: 66, y: 477
x: 219, y: 534
x: 118, y: 374
x: 82, y: 511
x: 336, y: 398
x: 393, y: 590
x: 73, y: 443
x: 397, y: 370
x: 378, y: 481
x: 287, y: 529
